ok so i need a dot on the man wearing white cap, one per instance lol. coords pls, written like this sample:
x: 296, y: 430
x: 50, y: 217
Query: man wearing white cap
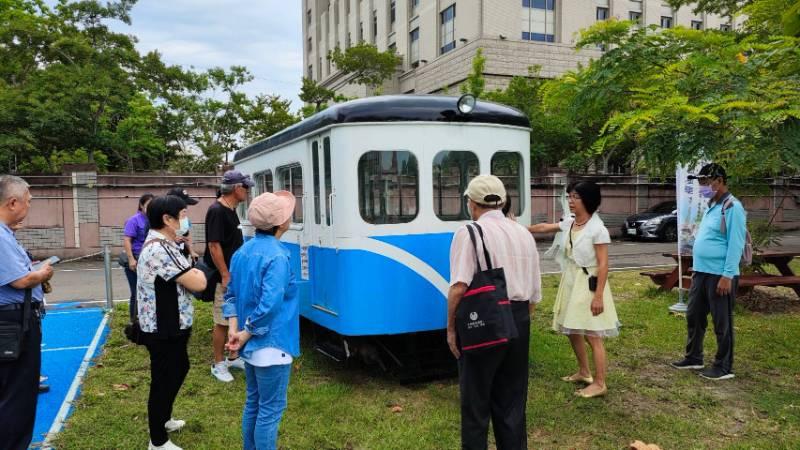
x: 263, y: 309
x: 494, y: 382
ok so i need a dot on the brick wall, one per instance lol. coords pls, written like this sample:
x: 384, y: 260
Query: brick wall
x: 41, y: 238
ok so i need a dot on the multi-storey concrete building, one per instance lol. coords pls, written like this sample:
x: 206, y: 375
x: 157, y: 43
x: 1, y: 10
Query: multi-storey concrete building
x: 438, y: 38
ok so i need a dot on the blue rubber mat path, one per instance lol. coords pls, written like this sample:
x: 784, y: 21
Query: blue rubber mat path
x: 71, y: 338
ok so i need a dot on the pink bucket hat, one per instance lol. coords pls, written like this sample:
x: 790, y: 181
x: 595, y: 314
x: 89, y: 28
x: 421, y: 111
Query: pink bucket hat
x: 270, y: 210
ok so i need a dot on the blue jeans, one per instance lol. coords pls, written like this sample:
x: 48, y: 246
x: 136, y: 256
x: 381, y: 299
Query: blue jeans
x: 264, y: 405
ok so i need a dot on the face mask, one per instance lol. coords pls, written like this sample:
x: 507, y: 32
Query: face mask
x: 707, y: 192
x: 186, y: 226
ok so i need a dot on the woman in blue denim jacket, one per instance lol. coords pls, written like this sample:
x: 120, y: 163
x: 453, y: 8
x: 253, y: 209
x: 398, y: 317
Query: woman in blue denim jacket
x: 263, y: 307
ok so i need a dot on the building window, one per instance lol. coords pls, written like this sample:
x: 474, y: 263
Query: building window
x: 413, y: 38
x: 291, y: 179
x: 310, y: 45
x: 374, y: 25
x: 308, y: 17
x: 412, y: 8
x: 697, y: 24
x: 451, y: 174
x: 319, y: 68
x: 667, y: 16
x: 635, y: 16
x: 311, y: 71
x: 348, y: 41
x: 360, y: 32
x: 448, y: 30
x: 392, y: 47
x: 602, y: 13
x: 508, y: 167
x: 392, y: 13
x: 725, y: 27
x: 538, y: 20
x: 388, y: 187
x: 347, y: 7
x: 326, y: 150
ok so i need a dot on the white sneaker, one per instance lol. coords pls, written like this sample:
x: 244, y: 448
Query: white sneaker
x: 174, y: 425
x: 167, y: 446
x: 220, y: 370
x: 237, y: 363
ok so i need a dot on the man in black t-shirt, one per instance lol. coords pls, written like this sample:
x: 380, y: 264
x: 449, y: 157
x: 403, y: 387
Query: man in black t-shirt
x: 223, y: 238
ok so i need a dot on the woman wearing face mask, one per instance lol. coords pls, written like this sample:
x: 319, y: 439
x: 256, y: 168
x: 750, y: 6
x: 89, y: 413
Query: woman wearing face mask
x: 166, y: 313
x: 584, y: 309
x: 263, y: 308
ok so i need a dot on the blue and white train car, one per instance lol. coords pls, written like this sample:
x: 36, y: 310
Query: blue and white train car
x: 379, y: 185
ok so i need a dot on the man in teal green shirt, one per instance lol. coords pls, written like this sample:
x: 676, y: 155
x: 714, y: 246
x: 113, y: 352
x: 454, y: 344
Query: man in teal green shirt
x: 716, y: 254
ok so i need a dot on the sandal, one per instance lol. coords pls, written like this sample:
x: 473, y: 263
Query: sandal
x: 575, y: 378
x: 582, y: 394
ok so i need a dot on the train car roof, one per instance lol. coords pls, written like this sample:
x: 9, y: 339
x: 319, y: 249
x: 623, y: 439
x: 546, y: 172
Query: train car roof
x: 390, y: 108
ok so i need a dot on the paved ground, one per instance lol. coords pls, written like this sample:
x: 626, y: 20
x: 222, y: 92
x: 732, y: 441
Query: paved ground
x: 84, y: 281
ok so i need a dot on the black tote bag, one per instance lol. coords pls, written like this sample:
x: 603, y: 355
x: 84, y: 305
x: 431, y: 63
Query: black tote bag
x: 484, y: 318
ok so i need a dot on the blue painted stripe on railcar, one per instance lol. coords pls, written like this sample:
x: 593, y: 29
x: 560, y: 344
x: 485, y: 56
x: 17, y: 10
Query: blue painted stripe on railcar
x: 369, y: 293
x: 432, y: 248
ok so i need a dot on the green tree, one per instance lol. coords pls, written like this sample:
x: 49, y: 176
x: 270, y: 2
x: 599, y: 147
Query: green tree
x: 267, y: 115
x: 684, y: 95
x: 553, y: 135
x: 368, y: 66
x: 476, y: 81
x: 135, y: 138
x: 316, y: 95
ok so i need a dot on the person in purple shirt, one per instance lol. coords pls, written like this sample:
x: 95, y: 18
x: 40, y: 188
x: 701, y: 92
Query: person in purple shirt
x: 136, y: 228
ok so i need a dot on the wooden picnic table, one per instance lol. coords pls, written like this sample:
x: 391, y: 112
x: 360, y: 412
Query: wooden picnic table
x: 667, y: 280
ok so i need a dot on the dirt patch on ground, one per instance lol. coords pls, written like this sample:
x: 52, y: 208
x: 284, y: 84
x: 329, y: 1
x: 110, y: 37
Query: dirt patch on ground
x: 767, y: 300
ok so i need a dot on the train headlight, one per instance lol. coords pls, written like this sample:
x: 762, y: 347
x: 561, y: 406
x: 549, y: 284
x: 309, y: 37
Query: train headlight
x: 466, y: 103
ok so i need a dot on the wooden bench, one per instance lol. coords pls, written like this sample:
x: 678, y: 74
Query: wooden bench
x: 658, y: 277
x: 748, y: 282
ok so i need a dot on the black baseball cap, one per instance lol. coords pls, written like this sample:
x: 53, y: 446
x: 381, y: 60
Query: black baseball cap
x: 180, y: 192
x: 712, y: 170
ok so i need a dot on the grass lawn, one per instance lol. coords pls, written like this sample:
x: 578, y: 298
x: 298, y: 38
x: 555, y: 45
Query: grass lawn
x: 335, y: 407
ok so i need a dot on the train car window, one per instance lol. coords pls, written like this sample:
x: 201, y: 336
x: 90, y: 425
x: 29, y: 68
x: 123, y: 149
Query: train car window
x: 326, y: 149
x: 452, y: 171
x: 508, y: 167
x: 388, y: 187
x: 291, y: 179
x: 315, y: 177
x: 263, y: 182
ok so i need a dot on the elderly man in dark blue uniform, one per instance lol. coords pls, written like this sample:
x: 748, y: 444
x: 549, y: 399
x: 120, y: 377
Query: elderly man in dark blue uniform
x: 19, y: 365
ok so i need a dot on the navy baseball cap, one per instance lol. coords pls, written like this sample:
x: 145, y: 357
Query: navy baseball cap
x: 712, y: 170
x: 236, y: 177
x: 179, y: 192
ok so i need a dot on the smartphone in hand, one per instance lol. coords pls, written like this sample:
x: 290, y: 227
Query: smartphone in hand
x: 53, y: 260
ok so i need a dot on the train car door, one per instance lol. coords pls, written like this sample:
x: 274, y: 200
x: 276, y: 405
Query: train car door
x: 322, y: 252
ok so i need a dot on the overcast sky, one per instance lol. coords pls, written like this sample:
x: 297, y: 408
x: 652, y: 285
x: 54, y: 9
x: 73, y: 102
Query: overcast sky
x: 263, y: 35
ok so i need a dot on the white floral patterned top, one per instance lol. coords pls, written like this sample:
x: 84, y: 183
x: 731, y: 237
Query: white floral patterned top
x: 165, y: 307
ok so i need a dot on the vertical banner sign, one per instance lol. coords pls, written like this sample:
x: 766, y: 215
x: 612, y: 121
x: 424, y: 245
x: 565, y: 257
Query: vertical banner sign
x: 691, y: 207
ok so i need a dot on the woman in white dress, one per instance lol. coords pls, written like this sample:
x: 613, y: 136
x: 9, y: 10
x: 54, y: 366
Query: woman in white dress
x: 584, y: 308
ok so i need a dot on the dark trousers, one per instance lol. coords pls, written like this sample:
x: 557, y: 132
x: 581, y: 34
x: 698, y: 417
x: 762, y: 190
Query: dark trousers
x: 494, y: 384
x: 19, y: 386
x: 703, y: 299
x: 169, y: 364
x: 131, y: 276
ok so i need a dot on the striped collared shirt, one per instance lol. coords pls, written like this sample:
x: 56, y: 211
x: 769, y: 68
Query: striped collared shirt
x: 511, y: 246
